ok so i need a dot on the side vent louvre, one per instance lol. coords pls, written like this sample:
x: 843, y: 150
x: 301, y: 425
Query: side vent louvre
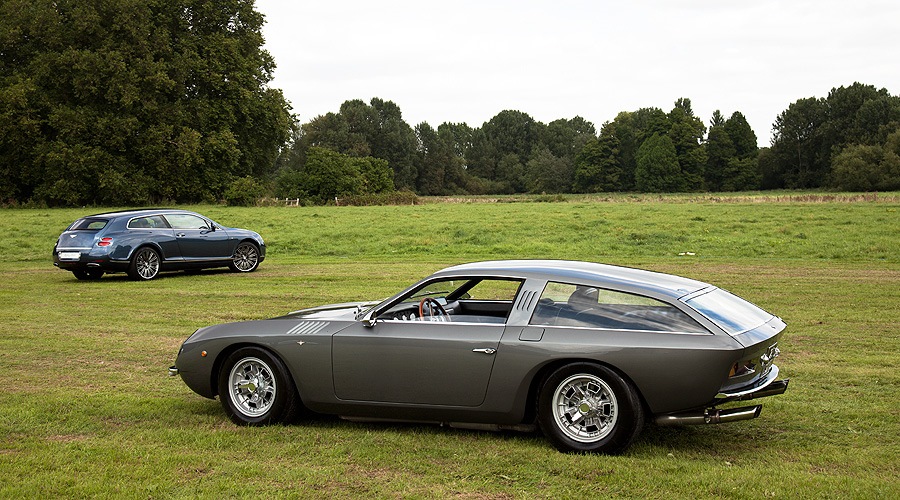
x: 526, y: 300
x: 307, y: 328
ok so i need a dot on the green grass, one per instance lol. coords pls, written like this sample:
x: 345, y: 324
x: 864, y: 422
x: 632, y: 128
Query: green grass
x: 88, y: 410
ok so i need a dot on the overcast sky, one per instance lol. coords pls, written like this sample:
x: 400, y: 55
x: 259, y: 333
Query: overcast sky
x: 465, y: 61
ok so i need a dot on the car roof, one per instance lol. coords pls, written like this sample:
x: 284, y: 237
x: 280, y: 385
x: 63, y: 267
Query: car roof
x: 578, y: 272
x: 139, y: 212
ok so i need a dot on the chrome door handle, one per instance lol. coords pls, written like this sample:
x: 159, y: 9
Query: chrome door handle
x: 485, y: 351
x: 180, y: 235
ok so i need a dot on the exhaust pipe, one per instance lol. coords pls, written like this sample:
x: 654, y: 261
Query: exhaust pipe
x: 710, y: 416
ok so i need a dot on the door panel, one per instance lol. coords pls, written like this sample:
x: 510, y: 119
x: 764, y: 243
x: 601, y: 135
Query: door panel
x: 415, y: 362
x: 197, y: 241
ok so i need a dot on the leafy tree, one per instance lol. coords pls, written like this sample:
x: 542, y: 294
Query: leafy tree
x: 686, y: 132
x: 597, y: 166
x: 376, y: 129
x: 327, y: 175
x: 565, y: 138
x: 860, y: 167
x: 244, y: 192
x: 130, y: 101
x: 732, y: 152
x: 742, y: 136
x: 812, y: 131
x: 719, y: 151
x: 631, y: 130
x: 657, y: 166
x: 510, y: 174
x: 547, y: 173
x: 798, y: 147
x: 859, y: 114
x: 717, y: 119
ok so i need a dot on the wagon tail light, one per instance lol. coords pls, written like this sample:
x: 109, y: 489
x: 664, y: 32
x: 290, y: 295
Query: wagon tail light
x: 104, y: 242
x: 742, y: 368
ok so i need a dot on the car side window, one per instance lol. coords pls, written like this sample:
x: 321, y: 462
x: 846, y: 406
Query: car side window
x: 464, y: 300
x: 152, y: 222
x: 563, y: 304
x: 186, y: 221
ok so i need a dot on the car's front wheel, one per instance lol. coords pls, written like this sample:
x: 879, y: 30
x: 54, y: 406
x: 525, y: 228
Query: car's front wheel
x: 144, y: 265
x: 245, y: 258
x: 256, y: 389
x: 584, y: 407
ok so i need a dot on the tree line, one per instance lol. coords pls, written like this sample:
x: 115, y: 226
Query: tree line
x: 135, y: 102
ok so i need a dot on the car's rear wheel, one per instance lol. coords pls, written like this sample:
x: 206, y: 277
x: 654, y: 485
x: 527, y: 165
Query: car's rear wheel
x: 256, y: 389
x: 88, y: 274
x: 584, y: 407
x: 245, y: 258
x: 144, y: 265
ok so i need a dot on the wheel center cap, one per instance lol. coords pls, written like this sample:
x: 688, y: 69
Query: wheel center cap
x: 584, y: 407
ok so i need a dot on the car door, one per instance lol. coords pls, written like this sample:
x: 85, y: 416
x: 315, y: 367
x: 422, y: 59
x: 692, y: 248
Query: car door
x: 415, y: 362
x: 199, y: 239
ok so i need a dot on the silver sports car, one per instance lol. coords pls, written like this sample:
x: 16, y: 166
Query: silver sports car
x: 587, y: 352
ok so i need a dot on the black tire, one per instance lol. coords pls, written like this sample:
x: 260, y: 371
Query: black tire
x: 583, y: 407
x: 256, y: 389
x: 88, y: 274
x: 245, y: 258
x: 145, y: 264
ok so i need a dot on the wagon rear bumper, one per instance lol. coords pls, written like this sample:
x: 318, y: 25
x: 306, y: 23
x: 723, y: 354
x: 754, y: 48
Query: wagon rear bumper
x: 716, y: 416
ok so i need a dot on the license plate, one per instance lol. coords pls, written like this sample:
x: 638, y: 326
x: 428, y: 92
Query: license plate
x: 69, y: 255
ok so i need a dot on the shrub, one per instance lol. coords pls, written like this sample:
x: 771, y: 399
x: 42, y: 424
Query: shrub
x: 244, y: 192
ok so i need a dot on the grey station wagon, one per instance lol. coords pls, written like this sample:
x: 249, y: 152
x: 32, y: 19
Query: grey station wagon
x: 586, y: 352
x: 145, y: 242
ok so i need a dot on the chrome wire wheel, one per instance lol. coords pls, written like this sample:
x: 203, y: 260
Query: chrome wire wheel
x: 585, y: 408
x: 252, y: 387
x: 146, y: 264
x: 246, y: 258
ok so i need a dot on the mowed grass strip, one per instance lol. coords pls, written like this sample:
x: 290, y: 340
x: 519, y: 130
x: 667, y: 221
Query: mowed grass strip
x: 89, y: 411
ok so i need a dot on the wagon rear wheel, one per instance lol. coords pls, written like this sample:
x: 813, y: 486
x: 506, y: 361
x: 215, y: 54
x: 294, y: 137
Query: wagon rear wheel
x: 589, y: 408
x: 145, y: 264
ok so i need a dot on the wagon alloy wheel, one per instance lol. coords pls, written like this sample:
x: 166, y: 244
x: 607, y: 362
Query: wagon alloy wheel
x: 256, y: 389
x: 245, y: 259
x: 144, y: 265
x: 253, y: 387
x: 584, y: 407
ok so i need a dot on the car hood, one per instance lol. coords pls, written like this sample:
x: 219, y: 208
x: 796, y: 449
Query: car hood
x: 344, y: 311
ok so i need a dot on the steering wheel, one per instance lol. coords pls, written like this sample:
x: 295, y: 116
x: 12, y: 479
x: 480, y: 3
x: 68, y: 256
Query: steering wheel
x: 435, y: 310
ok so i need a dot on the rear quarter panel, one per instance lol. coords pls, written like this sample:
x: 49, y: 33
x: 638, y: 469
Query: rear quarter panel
x: 672, y: 371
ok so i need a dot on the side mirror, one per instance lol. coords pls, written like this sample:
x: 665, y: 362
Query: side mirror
x: 369, y: 320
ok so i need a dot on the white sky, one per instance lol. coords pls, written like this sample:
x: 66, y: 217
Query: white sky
x: 467, y: 60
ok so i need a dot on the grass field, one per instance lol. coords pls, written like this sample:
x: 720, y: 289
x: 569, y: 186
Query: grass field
x: 88, y: 410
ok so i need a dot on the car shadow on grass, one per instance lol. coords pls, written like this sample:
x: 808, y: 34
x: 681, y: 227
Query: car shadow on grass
x: 712, y: 440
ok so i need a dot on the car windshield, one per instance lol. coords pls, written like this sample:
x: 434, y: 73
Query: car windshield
x: 732, y: 313
x: 88, y: 224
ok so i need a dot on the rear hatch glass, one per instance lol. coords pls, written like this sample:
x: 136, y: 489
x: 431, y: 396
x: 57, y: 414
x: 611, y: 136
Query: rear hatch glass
x: 732, y: 313
x: 81, y: 233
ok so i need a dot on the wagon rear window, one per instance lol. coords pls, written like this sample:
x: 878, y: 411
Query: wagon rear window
x: 88, y: 225
x: 582, y: 306
x: 732, y: 313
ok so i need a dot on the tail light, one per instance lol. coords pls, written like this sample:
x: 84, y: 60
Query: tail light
x: 742, y: 368
x: 104, y: 242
